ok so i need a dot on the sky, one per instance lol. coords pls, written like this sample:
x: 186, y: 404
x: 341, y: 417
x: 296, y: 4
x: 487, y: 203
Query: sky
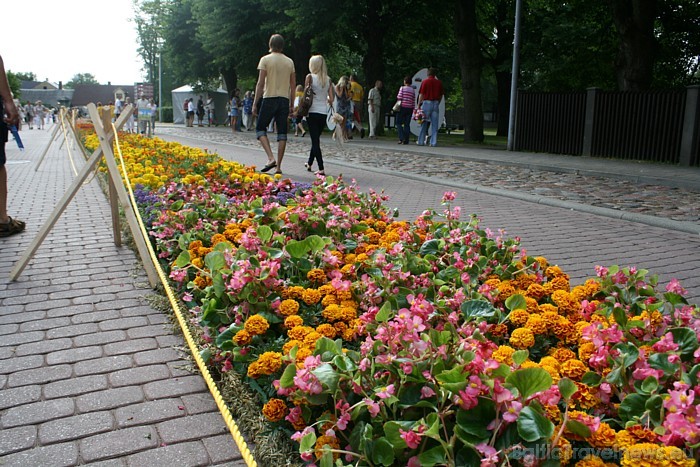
x: 57, y: 39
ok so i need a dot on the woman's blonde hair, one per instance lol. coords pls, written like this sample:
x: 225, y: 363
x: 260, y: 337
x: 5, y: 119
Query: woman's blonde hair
x: 317, y: 66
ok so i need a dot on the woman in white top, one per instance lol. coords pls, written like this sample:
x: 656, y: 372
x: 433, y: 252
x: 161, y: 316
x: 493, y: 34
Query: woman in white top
x: 316, y: 120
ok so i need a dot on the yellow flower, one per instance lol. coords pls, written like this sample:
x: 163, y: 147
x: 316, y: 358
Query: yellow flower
x: 242, y: 338
x: 294, y: 292
x: 573, y: 369
x: 289, y: 345
x: 299, y: 332
x: 269, y: 362
x: 604, y: 437
x: 293, y: 321
x: 289, y: 307
x: 311, y: 296
x: 522, y: 338
x: 327, y: 330
x: 519, y: 317
x: 332, y: 443
x: 590, y: 461
x: 652, y: 455
x: 504, y: 354
x: 586, y: 350
x: 535, y: 291
x: 275, y: 410
x: 256, y: 325
x: 562, y: 354
x: 536, y: 324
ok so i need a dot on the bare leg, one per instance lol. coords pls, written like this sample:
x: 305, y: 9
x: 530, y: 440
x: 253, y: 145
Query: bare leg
x: 265, y: 143
x: 3, y: 194
x: 281, y: 146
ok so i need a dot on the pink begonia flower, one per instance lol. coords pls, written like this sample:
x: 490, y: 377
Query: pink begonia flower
x: 426, y: 392
x: 675, y: 287
x: 414, y: 462
x: 386, y: 392
x: 679, y: 401
x: 449, y: 196
x: 407, y: 367
x: 372, y: 407
x: 178, y: 275
x: 512, y: 411
x: 665, y: 344
x: 601, y: 271
x: 489, y: 455
x: 300, y: 434
x: 501, y: 394
x: 187, y: 297
x: 411, y: 438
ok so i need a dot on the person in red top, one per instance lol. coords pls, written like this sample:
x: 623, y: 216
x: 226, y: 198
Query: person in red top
x: 429, y: 97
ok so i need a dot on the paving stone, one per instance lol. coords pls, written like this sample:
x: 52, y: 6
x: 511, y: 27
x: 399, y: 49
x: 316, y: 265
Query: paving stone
x: 123, y: 323
x: 95, y: 316
x: 182, y: 368
x: 56, y: 455
x: 156, y: 356
x: 120, y: 462
x: 174, y: 387
x: 129, y: 346
x: 16, y: 439
x: 23, y: 300
x: 199, y: 403
x: 6, y: 352
x: 8, y: 329
x: 39, y: 375
x: 139, y: 375
x: 103, y: 365
x: 75, y: 386
x: 77, y: 426
x: 160, y: 319
x: 190, y: 454
x: 11, y: 365
x: 222, y: 448
x: 192, y: 427
x: 118, y: 443
x: 170, y: 341
x: 99, y: 338
x: 109, y: 399
x: 46, y: 346
x: 19, y: 396
x: 140, y: 310
x: 148, y: 331
x: 47, y: 305
x: 37, y: 412
x: 149, y: 412
x: 70, y: 310
x: 21, y: 338
x: 44, y: 324
x: 73, y: 355
x: 136, y: 303
x: 72, y: 330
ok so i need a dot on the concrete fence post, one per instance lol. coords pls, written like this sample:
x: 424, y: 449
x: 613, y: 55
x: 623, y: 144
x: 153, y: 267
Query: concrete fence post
x: 691, y: 124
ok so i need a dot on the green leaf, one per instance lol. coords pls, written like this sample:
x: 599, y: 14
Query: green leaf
x: 632, y: 406
x: 227, y: 335
x: 183, y: 259
x: 205, y: 354
x: 316, y: 243
x: 529, y: 381
x: 383, y: 452
x: 384, y: 313
x: 218, y: 284
x: 686, y: 339
x: 454, y: 380
x: 578, y: 428
x: 327, y: 375
x: 516, y: 302
x: 264, y: 233
x: 391, y: 431
x: 533, y: 426
x: 434, y: 456
x: 659, y: 361
x: 472, y: 421
x: 325, y: 344
x: 591, y: 378
x: 431, y: 247
x: 629, y: 353
x: 215, y: 261
x: 307, y: 443
x: 473, y: 309
x: 177, y: 205
x: 567, y: 388
x: 357, y: 228
x: 297, y: 249
x: 519, y: 356
x: 327, y: 457
x: 650, y: 384
x: 287, y: 378
x: 620, y: 316
x: 654, y: 405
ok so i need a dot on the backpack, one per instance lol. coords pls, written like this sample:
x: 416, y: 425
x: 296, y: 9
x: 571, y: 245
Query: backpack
x: 305, y: 102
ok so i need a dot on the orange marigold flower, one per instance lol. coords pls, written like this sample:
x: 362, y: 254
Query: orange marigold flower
x: 586, y: 351
x: 255, y: 371
x: 536, y: 324
x: 504, y: 354
x: 348, y: 270
x: 299, y: 332
x: 573, y: 369
x: 217, y: 238
x: 331, y: 441
x: 289, y: 307
x: 295, y: 292
x: 624, y: 439
x: 604, y: 437
x: 200, y: 282
x: 531, y: 305
x: 332, y: 313
x: 329, y: 299
x: 560, y: 283
x: 519, y: 317
x: 293, y: 321
x: 349, y: 334
x: 544, y: 264
x: 649, y: 454
x: 522, y: 338
x: 256, y: 325
x: 343, y: 295
x: 275, y: 410
x: 552, y: 372
x: 555, y: 271
x: 302, y: 353
x: 311, y: 338
x: 242, y: 338
x: 525, y: 280
x: 269, y: 362
x: 316, y: 275
x: 529, y: 364
x: 550, y: 361
x: 327, y: 330
x: 565, y: 450
x: 551, y: 318
x: 548, y: 308
x: 643, y: 434
x: 350, y: 258
x: 195, y: 245
x: 498, y: 330
x: 591, y: 461
x: 198, y: 262
x: 584, y: 398
x: 562, y: 354
x: 289, y: 345
x: 311, y: 296
x: 505, y: 290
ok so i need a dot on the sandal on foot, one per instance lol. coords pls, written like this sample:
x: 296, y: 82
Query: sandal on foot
x: 321, y: 172
x: 11, y: 227
x: 278, y: 172
x: 308, y: 167
x: 269, y: 167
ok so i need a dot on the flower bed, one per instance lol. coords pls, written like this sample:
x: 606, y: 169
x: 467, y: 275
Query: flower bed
x: 375, y: 341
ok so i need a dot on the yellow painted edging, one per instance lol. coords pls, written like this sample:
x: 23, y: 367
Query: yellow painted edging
x: 223, y: 408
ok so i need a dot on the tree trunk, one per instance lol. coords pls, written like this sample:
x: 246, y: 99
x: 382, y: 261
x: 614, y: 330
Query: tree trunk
x: 373, y: 61
x: 503, y: 79
x: 470, y: 64
x: 503, y: 62
x: 634, y: 20
x: 301, y: 52
x: 230, y: 77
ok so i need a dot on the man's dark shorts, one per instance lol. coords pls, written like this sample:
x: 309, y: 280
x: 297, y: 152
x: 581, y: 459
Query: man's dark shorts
x: 3, y: 140
x: 273, y: 108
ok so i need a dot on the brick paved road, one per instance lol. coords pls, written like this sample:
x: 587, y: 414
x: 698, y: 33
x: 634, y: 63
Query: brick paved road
x: 89, y: 372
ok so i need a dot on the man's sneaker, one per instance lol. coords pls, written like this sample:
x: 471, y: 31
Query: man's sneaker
x: 362, y: 133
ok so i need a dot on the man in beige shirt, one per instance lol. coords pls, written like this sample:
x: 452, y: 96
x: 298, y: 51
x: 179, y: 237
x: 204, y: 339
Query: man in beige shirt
x: 276, y: 84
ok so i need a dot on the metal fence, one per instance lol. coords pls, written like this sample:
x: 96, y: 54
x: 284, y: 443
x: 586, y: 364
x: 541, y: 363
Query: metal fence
x: 659, y: 126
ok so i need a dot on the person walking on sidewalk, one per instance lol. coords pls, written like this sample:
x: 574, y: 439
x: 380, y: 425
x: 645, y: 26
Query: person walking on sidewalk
x: 357, y: 94
x: 374, y: 105
x: 407, y: 96
x: 316, y: 119
x: 429, y: 98
x: 10, y: 116
x: 276, y: 83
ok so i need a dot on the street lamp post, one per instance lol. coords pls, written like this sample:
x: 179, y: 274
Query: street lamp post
x: 514, y: 76
x: 160, y: 87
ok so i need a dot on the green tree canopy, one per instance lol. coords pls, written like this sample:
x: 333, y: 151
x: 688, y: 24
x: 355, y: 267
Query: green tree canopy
x: 81, y: 78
